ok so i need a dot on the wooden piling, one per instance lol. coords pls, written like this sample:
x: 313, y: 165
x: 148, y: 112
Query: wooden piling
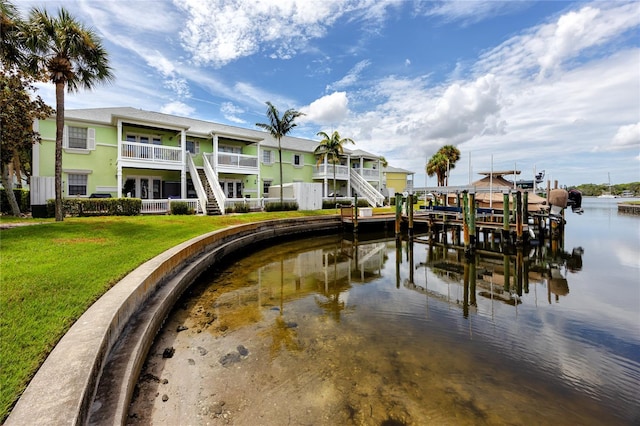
x: 505, y: 216
x: 518, y: 212
x: 465, y: 221
x: 472, y: 220
x: 355, y: 214
x: 398, y: 212
x: 410, y: 210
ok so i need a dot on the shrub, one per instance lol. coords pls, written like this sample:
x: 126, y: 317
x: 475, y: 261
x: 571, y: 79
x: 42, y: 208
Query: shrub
x: 280, y: 207
x: 97, y: 207
x: 22, y: 197
x: 363, y: 203
x: 180, y: 207
x: 241, y: 208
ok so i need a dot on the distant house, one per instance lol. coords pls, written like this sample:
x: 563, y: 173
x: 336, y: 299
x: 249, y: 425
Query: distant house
x: 128, y: 152
x: 397, y: 180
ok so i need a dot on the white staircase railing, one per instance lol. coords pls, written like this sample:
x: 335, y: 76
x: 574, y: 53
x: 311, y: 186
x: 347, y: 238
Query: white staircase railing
x: 200, y: 192
x: 218, y: 193
x: 366, y: 190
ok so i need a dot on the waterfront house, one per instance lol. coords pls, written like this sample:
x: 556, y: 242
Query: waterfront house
x: 128, y: 152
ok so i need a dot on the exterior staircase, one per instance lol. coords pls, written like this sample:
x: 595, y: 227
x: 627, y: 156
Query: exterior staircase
x: 366, y: 190
x: 212, y: 205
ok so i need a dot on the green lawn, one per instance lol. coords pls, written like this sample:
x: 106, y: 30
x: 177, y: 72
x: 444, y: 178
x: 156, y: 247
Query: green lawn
x: 50, y: 273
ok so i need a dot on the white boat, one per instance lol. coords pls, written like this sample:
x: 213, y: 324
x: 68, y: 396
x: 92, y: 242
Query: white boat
x: 608, y: 194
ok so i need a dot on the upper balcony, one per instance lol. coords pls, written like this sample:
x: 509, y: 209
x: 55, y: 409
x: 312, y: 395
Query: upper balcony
x: 135, y: 154
x: 342, y: 172
x: 326, y: 171
x: 234, y: 163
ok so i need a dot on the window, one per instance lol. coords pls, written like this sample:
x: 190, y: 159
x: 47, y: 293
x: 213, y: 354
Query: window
x: 297, y: 160
x: 140, y: 138
x: 193, y: 147
x: 267, y: 156
x: 77, y: 184
x: 265, y: 187
x: 78, y: 137
x: 230, y: 149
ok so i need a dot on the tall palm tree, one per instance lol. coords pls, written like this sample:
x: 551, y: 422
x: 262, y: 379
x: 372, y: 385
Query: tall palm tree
x: 279, y: 127
x: 437, y: 165
x: 72, y: 57
x: 452, y: 154
x: 331, y: 148
x: 442, y: 162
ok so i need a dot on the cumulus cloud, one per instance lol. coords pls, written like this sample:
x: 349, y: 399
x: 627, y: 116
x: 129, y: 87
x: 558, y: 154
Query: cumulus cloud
x: 231, y: 112
x: 329, y: 109
x: 627, y: 137
x: 177, y: 108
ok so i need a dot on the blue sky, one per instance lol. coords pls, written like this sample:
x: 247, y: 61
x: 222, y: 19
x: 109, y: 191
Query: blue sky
x: 552, y: 85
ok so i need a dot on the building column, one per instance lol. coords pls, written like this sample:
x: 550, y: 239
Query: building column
x: 183, y: 168
x: 259, y: 180
x: 119, y: 160
x: 349, y: 194
x: 326, y: 181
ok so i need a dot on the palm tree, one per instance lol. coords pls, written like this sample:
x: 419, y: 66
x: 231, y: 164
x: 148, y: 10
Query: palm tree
x: 437, y: 165
x: 279, y: 127
x: 442, y: 162
x: 452, y: 154
x: 72, y: 56
x: 331, y: 148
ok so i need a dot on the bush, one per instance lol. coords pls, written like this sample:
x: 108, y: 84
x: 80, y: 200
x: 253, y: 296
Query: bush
x: 22, y: 197
x: 241, y: 208
x: 281, y: 207
x: 363, y: 203
x: 180, y: 207
x: 97, y: 207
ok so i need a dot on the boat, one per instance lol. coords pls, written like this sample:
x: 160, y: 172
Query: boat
x: 608, y: 194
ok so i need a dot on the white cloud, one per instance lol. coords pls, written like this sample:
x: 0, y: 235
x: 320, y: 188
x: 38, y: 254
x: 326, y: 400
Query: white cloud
x: 468, y: 12
x: 351, y: 78
x: 231, y: 111
x: 627, y: 137
x: 329, y: 109
x: 177, y: 108
x: 218, y: 33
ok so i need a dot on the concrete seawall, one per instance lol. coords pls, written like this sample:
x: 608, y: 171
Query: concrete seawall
x: 629, y: 208
x: 90, y: 375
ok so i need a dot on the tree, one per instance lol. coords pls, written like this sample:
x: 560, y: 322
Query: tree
x: 442, y: 162
x: 72, y: 57
x: 331, y: 148
x: 279, y: 127
x: 17, y: 114
x: 11, y: 36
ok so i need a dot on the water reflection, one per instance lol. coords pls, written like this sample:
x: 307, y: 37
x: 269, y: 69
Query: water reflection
x: 359, y: 331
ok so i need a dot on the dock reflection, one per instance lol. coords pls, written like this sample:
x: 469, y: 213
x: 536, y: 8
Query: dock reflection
x: 496, y: 272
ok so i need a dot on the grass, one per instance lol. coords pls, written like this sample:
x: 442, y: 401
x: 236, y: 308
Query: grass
x: 50, y: 273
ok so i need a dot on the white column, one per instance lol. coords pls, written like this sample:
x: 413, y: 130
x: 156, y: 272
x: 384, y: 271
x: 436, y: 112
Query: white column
x: 214, y: 163
x: 326, y: 181
x: 35, y: 152
x: 349, y: 176
x: 259, y: 181
x: 119, y: 159
x: 183, y: 168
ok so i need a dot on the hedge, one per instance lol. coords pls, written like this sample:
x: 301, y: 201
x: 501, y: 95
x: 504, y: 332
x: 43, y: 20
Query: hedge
x: 97, y: 207
x: 280, y: 207
x: 180, y: 208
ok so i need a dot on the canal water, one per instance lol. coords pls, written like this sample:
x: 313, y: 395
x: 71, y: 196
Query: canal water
x: 374, y: 331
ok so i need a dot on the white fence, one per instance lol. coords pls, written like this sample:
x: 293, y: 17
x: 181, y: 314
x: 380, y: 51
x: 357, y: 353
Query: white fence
x: 164, y: 206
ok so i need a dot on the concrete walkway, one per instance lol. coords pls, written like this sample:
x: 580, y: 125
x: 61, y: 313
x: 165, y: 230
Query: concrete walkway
x: 90, y: 375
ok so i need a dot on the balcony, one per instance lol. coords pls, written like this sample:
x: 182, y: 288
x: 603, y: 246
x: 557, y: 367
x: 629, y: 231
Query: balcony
x: 145, y: 155
x: 368, y: 174
x: 235, y: 163
x: 326, y: 171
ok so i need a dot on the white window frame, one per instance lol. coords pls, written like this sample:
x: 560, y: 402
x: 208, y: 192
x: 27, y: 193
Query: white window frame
x: 266, y: 183
x: 86, y: 184
x: 271, y: 155
x: 138, y: 138
x: 300, y: 158
x: 196, y: 146
x: 90, y: 142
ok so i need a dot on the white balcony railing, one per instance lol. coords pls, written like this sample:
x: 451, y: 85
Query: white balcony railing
x: 326, y: 171
x: 149, y: 152
x: 237, y: 160
x: 369, y: 174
